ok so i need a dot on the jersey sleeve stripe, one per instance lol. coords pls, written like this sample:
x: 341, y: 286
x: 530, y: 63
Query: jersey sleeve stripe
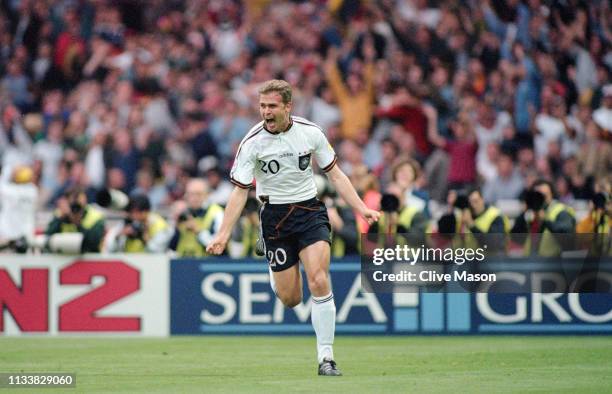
x: 240, y: 184
x: 306, y: 122
x: 331, y: 165
x: 256, y: 130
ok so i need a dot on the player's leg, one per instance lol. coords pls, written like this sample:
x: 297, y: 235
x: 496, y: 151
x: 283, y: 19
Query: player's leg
x: 315, y: 258
x: 281, y: 252
x: 287, y: 285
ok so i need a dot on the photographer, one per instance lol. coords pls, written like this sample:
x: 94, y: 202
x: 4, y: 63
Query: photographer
x: 542, y: 218
x: 245, y: 234
x: 598, y: 219
x: 74, y: 215
x: 543, y: 213
x: 397, y: 218
x: 481, y: 218
x: 452, y: 221
x: 142, y: 231
x: 197, y: 225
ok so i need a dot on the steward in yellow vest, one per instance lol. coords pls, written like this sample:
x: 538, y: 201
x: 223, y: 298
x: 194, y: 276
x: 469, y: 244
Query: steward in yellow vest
x: 197, y: 225
x: 484, y: 219
x: 195, y: 229
x: 546, y: 217
x: 144, y: 237
x: 143, y: 231
x: 395, y: 220
x: 73, y: 215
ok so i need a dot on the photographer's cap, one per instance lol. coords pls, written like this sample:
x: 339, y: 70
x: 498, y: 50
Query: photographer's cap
x: 139, y: 202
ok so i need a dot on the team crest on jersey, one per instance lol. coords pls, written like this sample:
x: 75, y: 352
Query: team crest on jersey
x: 304, y: 161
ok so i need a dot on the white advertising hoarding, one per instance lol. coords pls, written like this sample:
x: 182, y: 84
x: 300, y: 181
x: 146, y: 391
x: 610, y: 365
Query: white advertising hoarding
x: 84, y: 295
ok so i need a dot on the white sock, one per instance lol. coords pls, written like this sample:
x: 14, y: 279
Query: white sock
x: 324, y: 322
x: 272, y: 281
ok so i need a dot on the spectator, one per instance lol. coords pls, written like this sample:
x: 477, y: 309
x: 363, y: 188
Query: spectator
x: 405, y: 175
x: 462, y: 150
x: 146, y: 185
x: 16, y: 83
x: 507, y: 184
x: 407, y: 109
x: 124, y: 156
x: 603, y: 115
x: 18, y: 203
x: 595, y: 156
x: 356, y: 98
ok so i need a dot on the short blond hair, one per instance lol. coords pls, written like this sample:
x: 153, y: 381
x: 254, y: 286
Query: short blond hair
x: 279, y: 86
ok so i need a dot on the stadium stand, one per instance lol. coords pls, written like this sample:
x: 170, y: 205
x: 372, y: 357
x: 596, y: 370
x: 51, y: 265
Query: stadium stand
x: 103, y: 95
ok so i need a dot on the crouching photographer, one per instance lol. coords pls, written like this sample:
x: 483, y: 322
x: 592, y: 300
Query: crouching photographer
x: 142, y: 231
x: 451, y: 222
x: 74, y: 215
x: 543, y: 218
x: 598, y: 220
x: 397, y: 218
x: 198, y: 223
x: 542, y: 213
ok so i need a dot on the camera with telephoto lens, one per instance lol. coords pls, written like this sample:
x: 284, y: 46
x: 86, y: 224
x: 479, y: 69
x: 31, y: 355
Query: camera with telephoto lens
x: 462, y: 201
x: 76, y: 208
x: 534, y: 200
x: 389, y: 203
x: 183, y: 217
x: 137, y: 228
x: 599, y: 200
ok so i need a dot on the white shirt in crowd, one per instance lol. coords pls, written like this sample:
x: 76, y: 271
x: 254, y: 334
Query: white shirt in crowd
x: 18, y: 203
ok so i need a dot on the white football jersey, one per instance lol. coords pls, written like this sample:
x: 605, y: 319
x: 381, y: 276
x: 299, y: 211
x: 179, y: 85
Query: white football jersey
x: 281, y: 163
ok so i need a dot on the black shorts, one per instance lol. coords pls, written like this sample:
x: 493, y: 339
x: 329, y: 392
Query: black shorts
x: 289, y: 228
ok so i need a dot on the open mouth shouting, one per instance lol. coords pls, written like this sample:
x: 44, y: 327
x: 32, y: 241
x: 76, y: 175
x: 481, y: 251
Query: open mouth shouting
x: 271, y: 123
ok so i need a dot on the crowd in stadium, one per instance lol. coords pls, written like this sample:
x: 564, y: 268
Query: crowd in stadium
x: 419, y: 98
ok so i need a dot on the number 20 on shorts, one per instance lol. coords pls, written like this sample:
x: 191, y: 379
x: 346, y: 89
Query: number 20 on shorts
x: 278, y: 256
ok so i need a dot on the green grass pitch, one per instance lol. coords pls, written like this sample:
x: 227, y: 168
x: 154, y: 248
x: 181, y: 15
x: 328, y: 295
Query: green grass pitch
x: 287, y: 364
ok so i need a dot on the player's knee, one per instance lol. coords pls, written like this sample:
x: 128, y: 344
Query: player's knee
x: 290, y: 300
x: 319, y: 282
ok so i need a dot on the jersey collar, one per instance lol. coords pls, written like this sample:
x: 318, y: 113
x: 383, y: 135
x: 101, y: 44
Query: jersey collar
x: 280, y: 132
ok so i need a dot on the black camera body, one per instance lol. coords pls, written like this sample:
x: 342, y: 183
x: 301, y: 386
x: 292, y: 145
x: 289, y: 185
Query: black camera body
x: 76, y: 208
x: 534, y: 200
x: 600, y: 200
x: 183, y: 217
x: 389, y: 203
x: 138, y: 228
x: 462, y: 201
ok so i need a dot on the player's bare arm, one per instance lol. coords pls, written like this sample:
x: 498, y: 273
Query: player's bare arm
x: 234, y: 207
x: 349, y: 194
